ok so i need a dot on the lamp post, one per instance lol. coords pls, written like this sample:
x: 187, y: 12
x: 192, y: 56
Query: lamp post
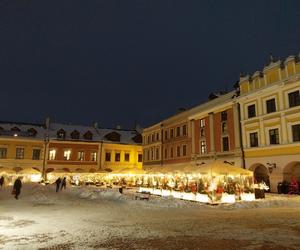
x: 46, y: 141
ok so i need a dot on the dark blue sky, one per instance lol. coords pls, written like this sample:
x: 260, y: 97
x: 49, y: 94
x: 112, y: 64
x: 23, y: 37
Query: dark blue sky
x: 117, y: 62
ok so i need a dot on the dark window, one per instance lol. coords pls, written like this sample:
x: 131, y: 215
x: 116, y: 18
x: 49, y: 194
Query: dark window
x: 88, y: 135
x: 140, y: 157
x: 224, y: 116
x: 171, y: 153
x: 36, y: 154
x: 107, y: 156
x: 157, y: 136
x: 157, y: 154
x: 178, y: 131
x: 61, y: 134
x: 15, y: 129
x: 251, y: 111
x: 224, y: 127
x: 148, y: 139
x: 114, y: 136
x: 172, y: 133
x: 3, y: 153
x: 225, y: 143
x: 20, y: 153
x: 294, y: 99
x: 178, y: 151
x: 254, y: 139
x: 127, y: 156
x: 274, y: 136
x: 184, y: 150
x: 117, y: 157
x: 166, y: 153
x: 184, y: 130
x: 31, y: 132
x: 271, y: 105
x: 296, y: 132
x: 148, y: 155
x: 166, y: 135
x: 75, y: 135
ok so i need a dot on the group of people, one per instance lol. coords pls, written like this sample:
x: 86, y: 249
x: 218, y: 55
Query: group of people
x: 61, y: 183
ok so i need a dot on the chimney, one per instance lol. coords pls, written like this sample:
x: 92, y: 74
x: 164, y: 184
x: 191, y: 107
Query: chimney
x: 95, y: 125
x: 118, y: 127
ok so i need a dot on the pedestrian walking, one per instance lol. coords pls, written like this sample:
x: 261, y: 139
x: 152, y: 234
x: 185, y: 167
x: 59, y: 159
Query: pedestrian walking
x: 64, y: 183
x: 57, y: 182
x: 17, y: 188
x: 2, y: 181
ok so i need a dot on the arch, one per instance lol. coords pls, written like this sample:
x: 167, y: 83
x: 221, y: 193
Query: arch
x: 261, y: 173
x: 291, y: 169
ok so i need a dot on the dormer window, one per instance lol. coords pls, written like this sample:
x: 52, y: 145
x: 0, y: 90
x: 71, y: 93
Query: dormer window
x: 31, y: 132
x: 137, y: 138
x: 15, y: 129
x: 61, y: 134
x: 75, y: 135
x: 88, y: 135
x: 113, y: 136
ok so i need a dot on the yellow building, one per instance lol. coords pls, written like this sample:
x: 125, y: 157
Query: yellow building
x: 270, y: 119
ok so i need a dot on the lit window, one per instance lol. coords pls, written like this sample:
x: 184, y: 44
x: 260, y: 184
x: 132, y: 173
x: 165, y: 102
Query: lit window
x: 20, y: 153
x: 80, y: 156
x: 94, y: 156
x: 67, y: 155
x: 36, y: 154
x: 203, y: 147
x: 52, y: 154
x: 202, y: 123
x: 296, y: 132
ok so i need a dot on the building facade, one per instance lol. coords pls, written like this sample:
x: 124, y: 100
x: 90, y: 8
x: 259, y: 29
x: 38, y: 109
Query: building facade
x: 270, y: 119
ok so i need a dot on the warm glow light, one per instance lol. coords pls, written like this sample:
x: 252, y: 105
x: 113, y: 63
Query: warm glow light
x: 247, y: 197
x: 228, y: 198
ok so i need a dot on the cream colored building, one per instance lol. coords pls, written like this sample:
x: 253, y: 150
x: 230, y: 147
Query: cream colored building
x: 270, y: 119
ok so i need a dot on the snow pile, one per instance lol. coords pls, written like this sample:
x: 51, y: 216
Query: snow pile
x: 91, y: 193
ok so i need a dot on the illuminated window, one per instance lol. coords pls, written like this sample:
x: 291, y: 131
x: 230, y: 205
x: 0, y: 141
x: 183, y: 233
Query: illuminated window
x: 52, y: 154
x: 203, y: 147
x: 67, y: 155
x: 94, y: 156
x: 20, y: 153
x: 3, y: 153
x: 36, y: 154
x: 80, y: 156
x: 202, y: 123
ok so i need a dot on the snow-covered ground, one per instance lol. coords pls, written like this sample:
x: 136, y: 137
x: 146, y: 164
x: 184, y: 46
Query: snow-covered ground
x: 93, y: 218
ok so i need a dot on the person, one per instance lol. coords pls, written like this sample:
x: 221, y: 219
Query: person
x: 1, y: 181
x: 57, y: 182
x: 17, y: 188
x: 64, y: 183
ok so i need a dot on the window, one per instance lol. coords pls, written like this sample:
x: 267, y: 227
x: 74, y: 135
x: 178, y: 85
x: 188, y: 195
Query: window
x: 224, y: 116
x: 20, y: 153
x: 294, y: 99
x: 202, y: 132
x: 178, y: 151
x: 94, y: 156
x: 75, y: 135
x: 224, y: 127
x: 3, y: 153
x: 203, y: 147
x: 117, y: 157
x: 202, y: 123
x: 296, y: 132
x: 171, y: 152
x: 172, y: 133
x: 67, y: 155
x: 166, y: 135
x: 148, y: 155
x: 184, y: 150
x: 52, y: 154
x: 251, y: 111
x: 152, y: 154
x: 88, y: 135
x: 127, y: 157
x: 61, y: 134
x: 157, y: 136
x: 107, y: 156
x: 36, y: 154
x: 148, y: 139
x: 178, y: 131
x: 166, y: 153
x: 140, y: 157
x: 157, y: 154
x: 80, y: 156
x: 254, y: 139
x: 274, y: 136
x: 153, y: 139
x: 271, y: 106
x: 225, y: 143
x: 184, y: 130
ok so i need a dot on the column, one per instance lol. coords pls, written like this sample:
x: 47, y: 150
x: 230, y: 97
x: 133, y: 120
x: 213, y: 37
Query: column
x: 211, y: 131
x: 193, y: 136
x: 236, y: 122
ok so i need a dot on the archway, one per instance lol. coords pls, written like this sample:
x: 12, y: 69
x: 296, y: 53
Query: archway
x: 291, y: 169
x: 261, y: 173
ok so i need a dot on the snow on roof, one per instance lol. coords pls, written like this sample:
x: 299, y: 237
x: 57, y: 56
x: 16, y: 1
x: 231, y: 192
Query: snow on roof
x: 126, y: 136
x: 11, y: 129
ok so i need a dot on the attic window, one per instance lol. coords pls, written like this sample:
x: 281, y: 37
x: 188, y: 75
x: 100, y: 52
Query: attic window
x: 88, y: 135
x: 32, y: 132
x: 61, y: 134
x: 75, y: 135
x: 15, y: 129
x: 113, y: 136
x: 137, y: 138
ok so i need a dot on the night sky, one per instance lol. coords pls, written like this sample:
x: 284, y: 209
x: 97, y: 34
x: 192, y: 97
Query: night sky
x: 121, y: 62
